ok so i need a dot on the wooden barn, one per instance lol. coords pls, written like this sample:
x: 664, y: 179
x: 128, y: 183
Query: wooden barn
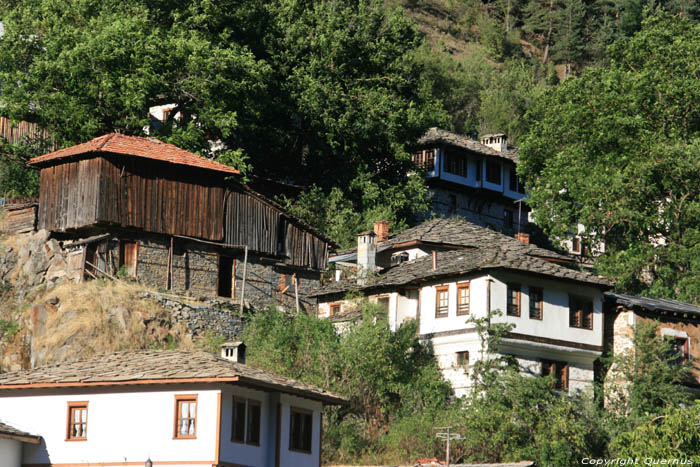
x: 176, y: 221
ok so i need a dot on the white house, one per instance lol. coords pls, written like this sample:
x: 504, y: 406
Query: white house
x: 170, y: 407
x: 556, y: 311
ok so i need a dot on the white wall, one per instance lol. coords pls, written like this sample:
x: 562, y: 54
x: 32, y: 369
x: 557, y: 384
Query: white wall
x: 247, y: 454
x: 555, y: 315
x: 290, y: 458
x: 128, y: 425
x: 477, y: 305
x: 10, y: 453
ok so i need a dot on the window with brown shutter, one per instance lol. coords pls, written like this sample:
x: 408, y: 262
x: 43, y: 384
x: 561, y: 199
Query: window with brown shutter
x: 463, y: 298
x: 536, y: 302
x: 580, y: 313
x: 335, y: 309
x: 557, y: 370
x: 513, y: 300
x: 463, y: 358
x: 442, y: 301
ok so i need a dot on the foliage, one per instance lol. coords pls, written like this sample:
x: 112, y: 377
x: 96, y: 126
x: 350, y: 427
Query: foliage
x: 618, y: 150
x: 386, y: 375
x: 673, y: 435
x: 8, y: 329
x: 644, y: 382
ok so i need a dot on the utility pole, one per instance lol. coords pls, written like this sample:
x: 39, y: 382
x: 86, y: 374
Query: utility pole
x: 447, y: 436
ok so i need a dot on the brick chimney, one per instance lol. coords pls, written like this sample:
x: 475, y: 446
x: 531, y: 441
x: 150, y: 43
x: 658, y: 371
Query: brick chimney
x: 523, y: 238
x: 498, y: 141
x: 366, y: 255
x: 381, y: 230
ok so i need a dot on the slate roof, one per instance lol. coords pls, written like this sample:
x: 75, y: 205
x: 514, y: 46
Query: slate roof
x: 455, y: 231
x: 438, y: 136
x: 653, y: 304
x: 10, y: 432
x: 149, y: 148
x: 161, y: 367
x: 461, y: 262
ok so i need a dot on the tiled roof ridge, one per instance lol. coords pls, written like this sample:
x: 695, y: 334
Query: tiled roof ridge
x: 145, y: 147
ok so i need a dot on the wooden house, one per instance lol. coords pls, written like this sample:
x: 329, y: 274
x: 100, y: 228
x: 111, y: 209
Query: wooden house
x: 176, y: 221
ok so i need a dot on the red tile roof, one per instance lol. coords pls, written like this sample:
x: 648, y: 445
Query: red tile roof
x: 149, y: 148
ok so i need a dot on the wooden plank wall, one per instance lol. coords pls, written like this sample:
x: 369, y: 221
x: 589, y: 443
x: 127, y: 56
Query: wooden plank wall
x: 161, y: 198
x: 15, y: 134
x: 68, y: 195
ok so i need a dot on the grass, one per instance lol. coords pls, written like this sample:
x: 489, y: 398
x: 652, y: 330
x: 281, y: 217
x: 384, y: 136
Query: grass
x: 101, y: 317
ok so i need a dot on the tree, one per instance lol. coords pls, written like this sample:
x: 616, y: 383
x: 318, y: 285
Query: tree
x: 618, y: 151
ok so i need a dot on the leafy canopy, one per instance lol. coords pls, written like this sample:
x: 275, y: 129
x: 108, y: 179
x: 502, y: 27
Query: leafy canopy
x: 618, y: 150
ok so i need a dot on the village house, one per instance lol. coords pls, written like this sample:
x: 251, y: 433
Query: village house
x: 446, y: 271
x: 133, y: 206
x: 677, y: 321
x: 11, y: 442
x: 171, y: 408
x: 477, y: 180
x: 473, y: 179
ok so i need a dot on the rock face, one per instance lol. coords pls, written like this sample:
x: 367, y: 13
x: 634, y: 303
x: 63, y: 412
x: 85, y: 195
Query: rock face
x: 38, y: 292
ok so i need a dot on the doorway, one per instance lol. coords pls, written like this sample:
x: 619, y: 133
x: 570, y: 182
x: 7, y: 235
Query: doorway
x: 225, y: 277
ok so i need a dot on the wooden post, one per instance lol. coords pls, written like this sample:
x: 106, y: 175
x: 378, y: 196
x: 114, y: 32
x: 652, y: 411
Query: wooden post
x: 83, y: 259
x: 296, y: 291
x: 245, y: 270
x: 169, y: 272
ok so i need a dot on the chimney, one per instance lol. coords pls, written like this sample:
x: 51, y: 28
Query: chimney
x: 381, y: 230
x: 233, y: 351
x: 498, y: 141
x: 434, y: 260
x: 523, y: 238
x: 366, y: 255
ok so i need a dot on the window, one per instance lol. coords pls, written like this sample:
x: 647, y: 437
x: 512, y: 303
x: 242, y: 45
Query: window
x: 514, y: 183
x: 245, y: 423
x: 425, y: 160
x: 442, y: 301
x: 493, y: 172
x: 536, y: 299
x: 508, y: 218
x: 77, y: 421
x: 300, y: 430
x: 580, y: 313
x: 513, y: 300
x: 680, y: 350
x: 455, y: 164
x: 335, y: 309
x: 384, y: 304
x: 463, y: 298
x: 478, y: 170
x: 185, y: 417
x: 576, y: 245
x: 463, y: 358
x: 557, y: 370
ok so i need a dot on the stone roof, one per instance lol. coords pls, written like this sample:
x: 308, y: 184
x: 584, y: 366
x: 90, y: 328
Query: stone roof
x: 455, y: 231
x: 10, y: 432
x: 653, y: 304
x: 461, y: 262
x: 158, y: 367
x: 437, y: 136
x: 135, y: 146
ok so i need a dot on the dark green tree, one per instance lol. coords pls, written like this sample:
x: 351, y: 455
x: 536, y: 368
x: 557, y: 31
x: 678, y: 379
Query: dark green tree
x: 618, y: 151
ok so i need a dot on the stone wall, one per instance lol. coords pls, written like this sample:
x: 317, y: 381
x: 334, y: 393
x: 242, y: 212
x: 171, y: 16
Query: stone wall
x: 196, y: 268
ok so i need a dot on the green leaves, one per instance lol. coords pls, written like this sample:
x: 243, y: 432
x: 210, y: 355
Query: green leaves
x: 617, y: 151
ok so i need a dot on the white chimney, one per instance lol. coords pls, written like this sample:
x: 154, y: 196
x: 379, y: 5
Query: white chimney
x: 498, y: 142
x: 233, y: 351
x: 366, y: 255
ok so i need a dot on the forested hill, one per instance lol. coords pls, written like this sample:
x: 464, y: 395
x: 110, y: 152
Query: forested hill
x: 329, y: 95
